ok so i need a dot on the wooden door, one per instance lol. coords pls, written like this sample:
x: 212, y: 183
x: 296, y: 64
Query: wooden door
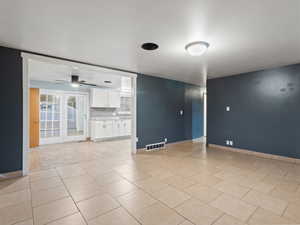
x: 34, y: 117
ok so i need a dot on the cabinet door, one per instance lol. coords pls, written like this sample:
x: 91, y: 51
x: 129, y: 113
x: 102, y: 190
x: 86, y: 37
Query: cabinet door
x: 128, y: 127
x: 117, y: 128
x: 99, y: 98
x: 99, y: 129
x: 108, y: 128
x: 114, y: 99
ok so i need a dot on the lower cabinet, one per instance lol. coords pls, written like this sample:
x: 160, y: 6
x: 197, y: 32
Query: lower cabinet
x: 102, y: 129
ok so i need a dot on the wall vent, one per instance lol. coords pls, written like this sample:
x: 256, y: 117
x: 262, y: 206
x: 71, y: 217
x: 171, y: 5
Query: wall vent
x: 155, y: 146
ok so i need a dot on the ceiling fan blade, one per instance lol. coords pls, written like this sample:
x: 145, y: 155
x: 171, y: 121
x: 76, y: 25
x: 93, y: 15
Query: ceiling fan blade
x: 87, y: 84
x: 62, y: 81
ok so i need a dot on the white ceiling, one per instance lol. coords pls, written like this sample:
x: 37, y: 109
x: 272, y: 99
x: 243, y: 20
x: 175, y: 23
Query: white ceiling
x: 244, y: 35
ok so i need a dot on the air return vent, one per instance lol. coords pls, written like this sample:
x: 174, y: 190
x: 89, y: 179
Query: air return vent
x: 155, y: 146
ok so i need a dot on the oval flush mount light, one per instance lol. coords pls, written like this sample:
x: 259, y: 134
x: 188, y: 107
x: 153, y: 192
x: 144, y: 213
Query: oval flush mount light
x: 197, y: 48
x: 149, y: 46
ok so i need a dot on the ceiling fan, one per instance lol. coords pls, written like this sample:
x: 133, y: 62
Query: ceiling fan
x: 75, y: 82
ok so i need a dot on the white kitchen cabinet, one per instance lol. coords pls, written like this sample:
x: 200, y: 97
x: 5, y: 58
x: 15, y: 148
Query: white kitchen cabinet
x: 108, y: 129
x: 114, y: 99
x: 105, y: 98
x: 99, y: 98
x: 117, y: 128
x: 99, y: 131
x: 103, y: 129
x: 125, y: 127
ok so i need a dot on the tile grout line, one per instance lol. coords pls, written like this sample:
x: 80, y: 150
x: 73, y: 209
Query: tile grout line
x: 33, y: 220
x: 71, y: 198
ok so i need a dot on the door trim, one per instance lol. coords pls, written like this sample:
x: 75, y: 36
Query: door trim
x: 29, y: 56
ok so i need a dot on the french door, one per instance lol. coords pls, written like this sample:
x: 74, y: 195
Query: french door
x: 63, y: 116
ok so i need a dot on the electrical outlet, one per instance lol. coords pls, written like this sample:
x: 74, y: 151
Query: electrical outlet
x: 227, y: 108
x: 231, y: 143
x: 227, y: 142
x: 166, y: 140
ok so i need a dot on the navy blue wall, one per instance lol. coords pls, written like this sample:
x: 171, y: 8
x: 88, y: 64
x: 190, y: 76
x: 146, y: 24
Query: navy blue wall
x: 159, y: 102
x: 11, y: 110
x: 265, y: 111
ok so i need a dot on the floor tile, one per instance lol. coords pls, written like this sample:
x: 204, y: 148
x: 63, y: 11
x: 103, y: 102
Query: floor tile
x: 285, y: 195
x: 15, y: 198
x: 82, y: 192
x: 228, y: 220
x: 75, y: 219
x: 27, y: 222
x: 199, y: 213
x: 52, y: 211
x: 151, y: 185
x: 234, y: 207
x: 204, y: 193
x: 12, y: 185
x: 263, y: 187
x: 158, y: 214
x: 48, y: 195
x: 16, y: 213
x: 292, y: 212
x: 115, y: 217
x: 205, y: 179
x: 70, y: 171
x: 137, y: 200
x: 186, y: 222
x: 171, y: 196
x: 108, y: 178
x: 266, y: 202
x: 78, y: 180
x: 179, y: 182
x: 45, y: 184
x: 232, y: 189
x: 119, y: 188
x: 262, y: 216
x: 44, y: 174
x: 96, y: 206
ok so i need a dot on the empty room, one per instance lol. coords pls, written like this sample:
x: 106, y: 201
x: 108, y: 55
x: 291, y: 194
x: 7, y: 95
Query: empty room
x: 150, y: 113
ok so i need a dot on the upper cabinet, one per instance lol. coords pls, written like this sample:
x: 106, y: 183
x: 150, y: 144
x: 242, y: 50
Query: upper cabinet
x: 114, y: 99
x: 104, y: 98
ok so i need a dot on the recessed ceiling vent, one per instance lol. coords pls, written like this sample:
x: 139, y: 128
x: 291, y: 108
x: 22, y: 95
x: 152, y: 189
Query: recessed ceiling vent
x: 150, y: 46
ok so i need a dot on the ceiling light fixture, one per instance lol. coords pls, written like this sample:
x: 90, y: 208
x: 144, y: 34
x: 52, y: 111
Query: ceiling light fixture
x: 149, y: 46
x: 75, y: 85
x: 197, y: 48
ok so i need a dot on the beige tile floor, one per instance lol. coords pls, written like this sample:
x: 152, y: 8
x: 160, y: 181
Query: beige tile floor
x: 186, y: 184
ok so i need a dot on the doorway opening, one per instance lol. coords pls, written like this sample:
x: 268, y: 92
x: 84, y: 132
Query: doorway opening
x: 75, y: 112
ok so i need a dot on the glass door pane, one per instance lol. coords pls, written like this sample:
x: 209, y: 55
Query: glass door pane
x: 76, y: 115
x: 50, y: 116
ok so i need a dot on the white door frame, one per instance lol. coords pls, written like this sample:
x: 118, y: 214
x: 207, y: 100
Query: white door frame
x: 28, y: 56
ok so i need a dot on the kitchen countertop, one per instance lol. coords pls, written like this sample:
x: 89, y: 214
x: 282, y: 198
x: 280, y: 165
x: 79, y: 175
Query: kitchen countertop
x: 109, y: 118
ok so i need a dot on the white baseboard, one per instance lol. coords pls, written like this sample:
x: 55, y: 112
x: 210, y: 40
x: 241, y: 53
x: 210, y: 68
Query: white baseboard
x: 10, y: 175
x: 200, y: 139
x: 258, y: 154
